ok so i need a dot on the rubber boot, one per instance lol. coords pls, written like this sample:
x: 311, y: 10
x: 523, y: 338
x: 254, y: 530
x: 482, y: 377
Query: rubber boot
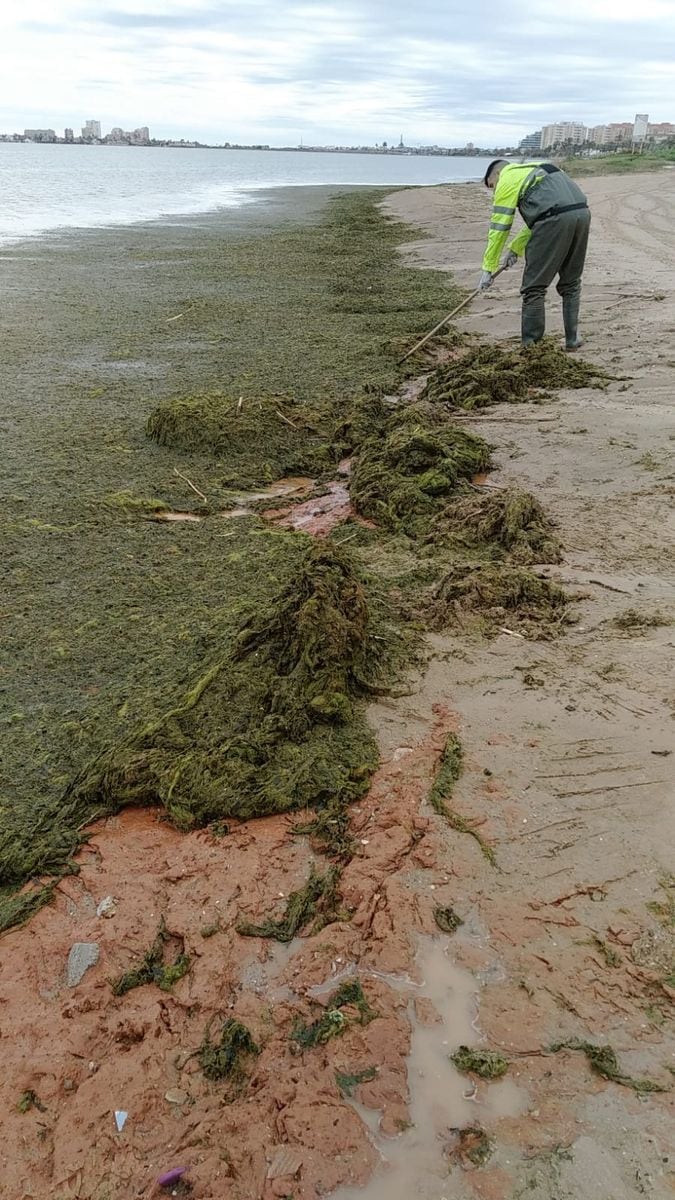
x: 571, y: 321
x: 533, y: 322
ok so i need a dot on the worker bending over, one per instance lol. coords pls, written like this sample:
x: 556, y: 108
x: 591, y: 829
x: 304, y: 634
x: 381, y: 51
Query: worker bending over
x: 557, y: 220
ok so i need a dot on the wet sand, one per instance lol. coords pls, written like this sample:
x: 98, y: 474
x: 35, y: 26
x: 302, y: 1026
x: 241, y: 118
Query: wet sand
x: 565, y: 776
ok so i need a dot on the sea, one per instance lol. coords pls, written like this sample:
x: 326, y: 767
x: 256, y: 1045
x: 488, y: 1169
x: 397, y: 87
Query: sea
x: 47, y: 188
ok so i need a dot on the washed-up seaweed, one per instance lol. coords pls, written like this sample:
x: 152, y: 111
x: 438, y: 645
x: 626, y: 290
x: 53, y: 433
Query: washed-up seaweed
x: 347, y: 1081
x: 447, y: 919
x: 603, y: 1060
x: 486, y: 1064
x: 407, y: 462
x: 318, y: 902
x: 153, y: 967
x: 508, y: 523
x: 492, y: 594
x: 226, y: 1058
x: 449, y: 771
x: 259, y: 439
x: 274, y: 724
x: 489, y: 374
x: 333, y: 1021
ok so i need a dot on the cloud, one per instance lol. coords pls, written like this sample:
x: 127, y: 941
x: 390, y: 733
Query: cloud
x: 350, y: 71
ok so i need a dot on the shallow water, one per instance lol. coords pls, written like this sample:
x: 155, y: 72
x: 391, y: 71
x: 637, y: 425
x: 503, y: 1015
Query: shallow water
x: 49, y: 187
x: 414, y: 1164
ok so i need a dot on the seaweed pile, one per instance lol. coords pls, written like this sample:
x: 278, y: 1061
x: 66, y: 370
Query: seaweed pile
x: 409, y: 459
x: 501, y: 524
x: 259, y: 438
x: 490, y: 375
x: 272, y: 725
x: 484, y: 595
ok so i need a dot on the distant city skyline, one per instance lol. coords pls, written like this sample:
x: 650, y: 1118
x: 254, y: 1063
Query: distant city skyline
x: 357, y: 71
x: 572, y: 134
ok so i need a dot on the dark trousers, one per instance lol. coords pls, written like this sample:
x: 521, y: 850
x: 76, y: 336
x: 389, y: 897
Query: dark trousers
x: 557, y: 247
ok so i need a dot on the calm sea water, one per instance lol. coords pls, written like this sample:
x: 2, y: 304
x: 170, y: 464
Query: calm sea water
x: 45, y: 188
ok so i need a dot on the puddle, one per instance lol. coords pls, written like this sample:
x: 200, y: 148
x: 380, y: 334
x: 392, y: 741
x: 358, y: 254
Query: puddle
x: 318, y: 516
x: 414, y: 1163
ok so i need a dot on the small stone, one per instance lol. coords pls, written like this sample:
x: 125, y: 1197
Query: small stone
x: 175, y: 1096
x: 68, y: 1085
x: 83, y: 955
x: 107, y: 907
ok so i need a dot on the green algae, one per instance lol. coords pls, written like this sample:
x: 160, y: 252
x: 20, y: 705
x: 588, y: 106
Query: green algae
x: 153, y: 967
x: 16, y: 909
x: 486, y: 1064
x: 272, y: 726
x: 227, y: 1058
x: 447, y: 919
x: 488, y: 374
x: 28, y: 1100
x: 408, y: 461
x: 509, y: 523
x: 259, y: 438
x: 632, y: 620
x: 318, y: 902
x: 473, y: 1145
x: 112, y: 615
x: 132, y: 503
x: 347, y: 1081
x: 603, y: 1061
x: 449, y: 771
x: 488, y: 596
x: 334, y: 1022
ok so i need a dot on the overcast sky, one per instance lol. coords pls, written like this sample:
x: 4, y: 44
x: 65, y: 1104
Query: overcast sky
x: 353, y: 71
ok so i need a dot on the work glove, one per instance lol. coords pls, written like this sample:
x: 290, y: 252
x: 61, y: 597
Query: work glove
x: 511, y: 259
x: 485, y: 281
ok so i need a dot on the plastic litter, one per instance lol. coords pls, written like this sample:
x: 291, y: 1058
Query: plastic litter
x: 168, y: 1179
x: 120, y: 1120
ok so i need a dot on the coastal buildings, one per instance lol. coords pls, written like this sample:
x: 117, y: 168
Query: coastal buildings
x: 123, y: 137
x: 531, y: 143
x: 563, y: 133
x: 39, y: 135
x: 613, y: 136
x: 91, y: 131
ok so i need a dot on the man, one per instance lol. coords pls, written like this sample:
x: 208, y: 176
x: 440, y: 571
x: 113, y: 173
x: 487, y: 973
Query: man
x: 557, y: 221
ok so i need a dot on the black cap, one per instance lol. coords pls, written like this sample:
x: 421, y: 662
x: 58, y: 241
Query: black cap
x: 495, y: 163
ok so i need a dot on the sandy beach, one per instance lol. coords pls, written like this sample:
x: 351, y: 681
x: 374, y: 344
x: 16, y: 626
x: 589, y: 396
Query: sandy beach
x: 565, y: 940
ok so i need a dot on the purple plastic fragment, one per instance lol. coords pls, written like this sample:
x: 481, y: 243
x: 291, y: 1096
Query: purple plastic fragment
x: 171, y: 1177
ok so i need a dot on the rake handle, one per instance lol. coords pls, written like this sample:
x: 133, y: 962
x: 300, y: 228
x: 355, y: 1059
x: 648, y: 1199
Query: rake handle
x: 427, y: 337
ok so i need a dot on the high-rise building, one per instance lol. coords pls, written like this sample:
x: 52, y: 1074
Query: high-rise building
x: 91, y: 131
x: 563, y: 132
x: 614, y: 134
x: 532, y: 143
x: 68, y: 135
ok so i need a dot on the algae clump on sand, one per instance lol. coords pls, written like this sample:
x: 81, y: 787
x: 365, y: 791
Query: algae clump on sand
x: 509, y: 523
x: 409, y: 459
x: 274, y: 724
x: 485, y: 595
x: 489, y: 374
